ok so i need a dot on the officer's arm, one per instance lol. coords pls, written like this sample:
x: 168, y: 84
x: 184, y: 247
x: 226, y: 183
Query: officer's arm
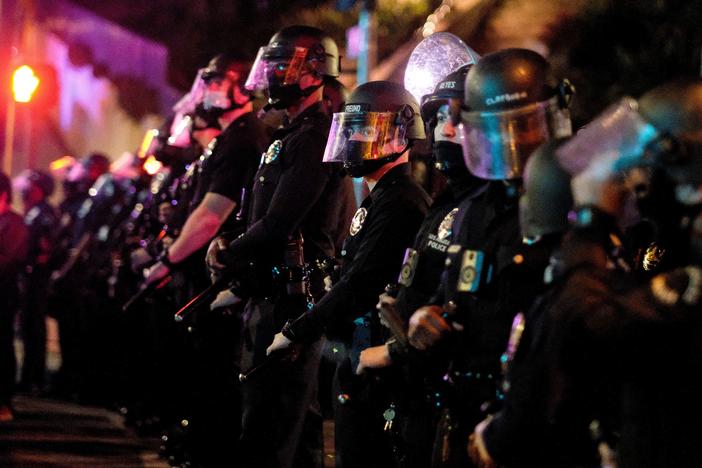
x: 300, y: 185
x: 201, y: 226
x: 374, y: 265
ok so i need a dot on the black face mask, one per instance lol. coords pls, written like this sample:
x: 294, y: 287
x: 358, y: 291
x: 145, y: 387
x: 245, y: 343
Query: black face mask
x: 448, y: 159
x: 283, y: 96
x: 357, y: 167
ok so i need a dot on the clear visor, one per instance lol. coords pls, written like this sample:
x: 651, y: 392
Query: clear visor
x: 496, y: 145
x: 614, y: 141
x: 356, y: 137
x: 189, y: 101
x: 275, y: 65
x: 180, y: 131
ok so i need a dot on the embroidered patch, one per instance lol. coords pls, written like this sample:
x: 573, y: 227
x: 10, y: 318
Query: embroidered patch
x: 357, y: 222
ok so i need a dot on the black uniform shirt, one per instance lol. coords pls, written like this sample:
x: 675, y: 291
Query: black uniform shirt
x: 294, y: 190
x: 487, y: 224
x: 382, y: 228
x: 41, y: 221
x: 230, y: 167
x: 435, y: 235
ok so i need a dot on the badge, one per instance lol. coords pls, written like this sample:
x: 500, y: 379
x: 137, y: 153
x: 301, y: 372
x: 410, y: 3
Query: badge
x: 409, y: 265
x: 357, y: 222
x: 273, y: 151
x: 445, y: 228
x: 653, y: 256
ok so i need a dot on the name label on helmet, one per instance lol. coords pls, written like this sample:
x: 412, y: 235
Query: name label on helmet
x: 356, y: 108
x: 447, y: 85
x: 506, y: 98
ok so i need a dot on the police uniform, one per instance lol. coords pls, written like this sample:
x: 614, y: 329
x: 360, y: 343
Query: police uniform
x: 385, y: 223
x: 13, y: 251
x: 41, y: 221
x: 482, y: 290
x: 228, y: 171
x: 418, y: 280
x: 295, y: 197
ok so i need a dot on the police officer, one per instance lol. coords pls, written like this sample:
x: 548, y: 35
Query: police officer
x: 483, y: 286
x: 224, y: 179
x: 232, y: 161
x: 371, y: 138
x: 518, y: 433
x: 13, y: 251
x: 41, y: 220
x: 295, y: 207
x: 423, y: 266
x: 618, y: 345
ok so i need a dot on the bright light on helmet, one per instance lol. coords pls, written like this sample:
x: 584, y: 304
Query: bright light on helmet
x: 434, y: 58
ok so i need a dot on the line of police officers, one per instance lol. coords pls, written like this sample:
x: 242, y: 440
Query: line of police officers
x: 518, y: 323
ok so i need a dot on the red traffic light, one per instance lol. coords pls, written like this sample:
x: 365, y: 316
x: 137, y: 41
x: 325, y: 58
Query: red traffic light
x: 24, y: 83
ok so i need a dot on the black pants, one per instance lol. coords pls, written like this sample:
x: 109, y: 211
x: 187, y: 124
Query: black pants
x: 33, y: 330
x: 8, y: 365
x: 360, y: 438
x: 279, y: 427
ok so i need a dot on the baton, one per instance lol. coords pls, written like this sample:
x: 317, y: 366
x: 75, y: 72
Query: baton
x: 272, y: 359
x: 202, y: 298
x: 145, y: 290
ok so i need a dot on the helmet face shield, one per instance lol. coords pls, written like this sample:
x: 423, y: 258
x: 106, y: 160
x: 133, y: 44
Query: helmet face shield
x: 497, y: 144
x: 616, y: 140
x: 355, y: 137
x: 281, y: 66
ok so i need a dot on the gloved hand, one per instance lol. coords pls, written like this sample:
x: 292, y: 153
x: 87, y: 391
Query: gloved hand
x: 427, y: 327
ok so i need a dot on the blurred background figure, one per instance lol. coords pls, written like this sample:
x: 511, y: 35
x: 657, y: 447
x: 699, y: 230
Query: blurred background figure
x: 13, y: 250
x: 41, y: 219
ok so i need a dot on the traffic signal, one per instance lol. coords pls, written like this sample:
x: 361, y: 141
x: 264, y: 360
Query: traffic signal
x: 35, y: 85
x: 24, y: 83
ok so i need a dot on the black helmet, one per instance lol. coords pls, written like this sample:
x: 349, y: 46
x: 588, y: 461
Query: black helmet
x: 34, y: 178
x: 449, y: 88
x: 547, y: 198
x: 229, y: 66
x: 223, y: 63
x: 378, y: 116
x: 675, y: 110
x: 292, y: 50
x: 447, y: 155
x: 513, y: 105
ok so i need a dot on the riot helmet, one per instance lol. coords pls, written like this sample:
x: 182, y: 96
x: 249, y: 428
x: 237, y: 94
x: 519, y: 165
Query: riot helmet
x: 547, y: 198
x: 292, y: 53
x: 435, y: 109
x: 675, y: 110
x: 663, y: 128
x: 34, y: 186
x: 222, y: 77
x: 379, y: 122
x: 513, y: 105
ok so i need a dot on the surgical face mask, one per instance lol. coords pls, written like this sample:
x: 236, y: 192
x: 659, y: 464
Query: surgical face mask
x: 217, y: 99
